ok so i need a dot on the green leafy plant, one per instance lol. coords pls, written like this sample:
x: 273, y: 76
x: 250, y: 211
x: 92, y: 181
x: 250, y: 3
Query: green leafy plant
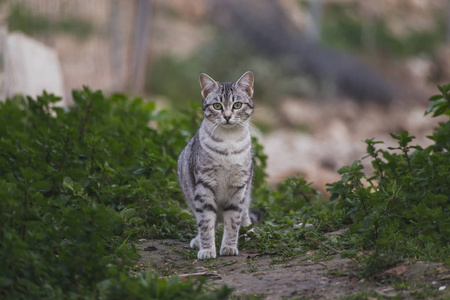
x: 152, y: 287
x: 402, y: 210
x: 397, y: 211
x: 77, y: 185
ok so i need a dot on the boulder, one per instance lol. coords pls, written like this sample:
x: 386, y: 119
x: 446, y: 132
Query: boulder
x: 30, y: 67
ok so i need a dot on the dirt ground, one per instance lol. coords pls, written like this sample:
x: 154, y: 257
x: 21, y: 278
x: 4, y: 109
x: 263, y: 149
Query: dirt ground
x: 255, y: 276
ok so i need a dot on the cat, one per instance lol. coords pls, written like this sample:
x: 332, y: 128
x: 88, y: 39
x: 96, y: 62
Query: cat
x: 215, y: 169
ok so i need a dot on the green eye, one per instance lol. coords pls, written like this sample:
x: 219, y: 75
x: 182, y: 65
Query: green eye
x: 217, y: 106
x: 237, y: 105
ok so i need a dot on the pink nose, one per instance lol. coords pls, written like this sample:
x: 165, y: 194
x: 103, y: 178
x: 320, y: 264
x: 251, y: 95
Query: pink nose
x: 227, y: 118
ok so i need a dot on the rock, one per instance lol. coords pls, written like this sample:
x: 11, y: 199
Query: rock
x: 150, y: 248
x: 30, y: 68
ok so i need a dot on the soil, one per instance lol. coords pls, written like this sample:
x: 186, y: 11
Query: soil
x: 255, y: 276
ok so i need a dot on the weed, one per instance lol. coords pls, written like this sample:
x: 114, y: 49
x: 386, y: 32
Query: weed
x: 251, y: 268
x: 229, y: 263
x: 403, y: 210
x: 78, y: 185
x: 186, y: 254
x: 167, y: 243
x: 363, y: 295
x: 247, y: 297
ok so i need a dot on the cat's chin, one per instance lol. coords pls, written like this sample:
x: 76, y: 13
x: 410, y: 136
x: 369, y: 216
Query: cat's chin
x: 229, y: 125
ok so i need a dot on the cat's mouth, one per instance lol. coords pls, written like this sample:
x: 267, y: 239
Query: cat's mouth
x: 228, y: 123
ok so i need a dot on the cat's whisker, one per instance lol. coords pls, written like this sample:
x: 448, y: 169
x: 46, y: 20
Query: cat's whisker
x: 253, y: 126
x: 216, y: 125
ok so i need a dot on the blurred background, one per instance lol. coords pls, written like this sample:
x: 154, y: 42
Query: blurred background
x: 329, y: 73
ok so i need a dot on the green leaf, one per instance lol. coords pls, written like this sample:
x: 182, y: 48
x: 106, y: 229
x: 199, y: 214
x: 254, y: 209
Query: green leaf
x: 436, y: 97
x: 68, y: 183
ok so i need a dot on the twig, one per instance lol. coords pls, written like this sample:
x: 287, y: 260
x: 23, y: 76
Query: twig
x: 86, y: 118
x: 322, y: 245
x: 210, y: 275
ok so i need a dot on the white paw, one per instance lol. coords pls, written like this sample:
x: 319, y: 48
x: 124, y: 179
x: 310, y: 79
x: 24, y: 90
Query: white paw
x: 245, y: 220
x: 206, y: 254
x: 229, y: 251
x: 195, y: 243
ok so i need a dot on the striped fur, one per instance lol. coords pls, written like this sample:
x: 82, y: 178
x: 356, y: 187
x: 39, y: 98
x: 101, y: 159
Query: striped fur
x: 215, y: 169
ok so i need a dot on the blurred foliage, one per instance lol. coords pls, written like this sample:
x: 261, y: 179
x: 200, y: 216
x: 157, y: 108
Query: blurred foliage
x: 29, y: 22
x: 343, y: 29
x: 274, y: 77
x: 154, y: 288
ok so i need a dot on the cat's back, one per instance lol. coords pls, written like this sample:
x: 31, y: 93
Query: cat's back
x: 188, y: 155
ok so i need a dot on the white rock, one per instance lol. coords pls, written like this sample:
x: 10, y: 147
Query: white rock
x: 30, y: 68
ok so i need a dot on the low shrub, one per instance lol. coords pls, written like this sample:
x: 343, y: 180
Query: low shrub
x: 402, y: 210
x: 77, y: 184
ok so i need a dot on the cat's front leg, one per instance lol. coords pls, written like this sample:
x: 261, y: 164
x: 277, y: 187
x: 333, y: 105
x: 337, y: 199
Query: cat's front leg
x: 206, y: 221
x: 206, y: 213
x: 232, y: 216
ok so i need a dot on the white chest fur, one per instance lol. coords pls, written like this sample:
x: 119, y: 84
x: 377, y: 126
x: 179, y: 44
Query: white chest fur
x: 228, y: 147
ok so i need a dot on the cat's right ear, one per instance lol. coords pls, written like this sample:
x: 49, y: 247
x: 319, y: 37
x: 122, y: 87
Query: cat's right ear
x: 207, y: 84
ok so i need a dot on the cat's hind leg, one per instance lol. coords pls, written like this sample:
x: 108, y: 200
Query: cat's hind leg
x: 195, y: 243
x: 245, y: 218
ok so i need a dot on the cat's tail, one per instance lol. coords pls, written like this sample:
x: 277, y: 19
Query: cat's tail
x: 255, y: 215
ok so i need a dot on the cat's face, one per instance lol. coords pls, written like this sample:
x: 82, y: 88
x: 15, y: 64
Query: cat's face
x: 227, y: 104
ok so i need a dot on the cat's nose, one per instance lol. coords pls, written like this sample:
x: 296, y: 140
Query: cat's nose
x: 227, y: 118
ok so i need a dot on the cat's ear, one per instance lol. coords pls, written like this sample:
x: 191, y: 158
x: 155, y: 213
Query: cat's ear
x: 245, y: 83
x: 207, y: 84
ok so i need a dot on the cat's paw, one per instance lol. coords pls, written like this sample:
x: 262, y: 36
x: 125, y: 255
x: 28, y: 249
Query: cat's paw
x: 245, y: 221
x: 229, y: 251
x: 195, y: 243
x: 206, y: 254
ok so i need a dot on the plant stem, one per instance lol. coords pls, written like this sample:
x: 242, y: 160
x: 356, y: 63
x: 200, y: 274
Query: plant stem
x: 86, y: 118
x: 405, y: 151
x: 322, y: 245
x: 91, y: 169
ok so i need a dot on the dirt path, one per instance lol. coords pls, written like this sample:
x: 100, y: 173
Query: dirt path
x: 255, y: 276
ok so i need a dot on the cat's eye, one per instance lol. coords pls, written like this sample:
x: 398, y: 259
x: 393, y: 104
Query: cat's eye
x: 237, y: 105
x: 217, y: 106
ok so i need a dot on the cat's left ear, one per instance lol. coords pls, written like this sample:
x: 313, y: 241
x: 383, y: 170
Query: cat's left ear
x: 245, y: 83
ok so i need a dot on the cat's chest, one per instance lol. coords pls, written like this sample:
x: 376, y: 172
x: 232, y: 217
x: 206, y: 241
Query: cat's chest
x: 228, y: 151
x: 227, y: 178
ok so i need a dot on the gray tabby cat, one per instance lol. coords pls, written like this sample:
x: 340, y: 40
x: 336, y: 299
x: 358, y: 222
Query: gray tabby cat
x: 215, y: 169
